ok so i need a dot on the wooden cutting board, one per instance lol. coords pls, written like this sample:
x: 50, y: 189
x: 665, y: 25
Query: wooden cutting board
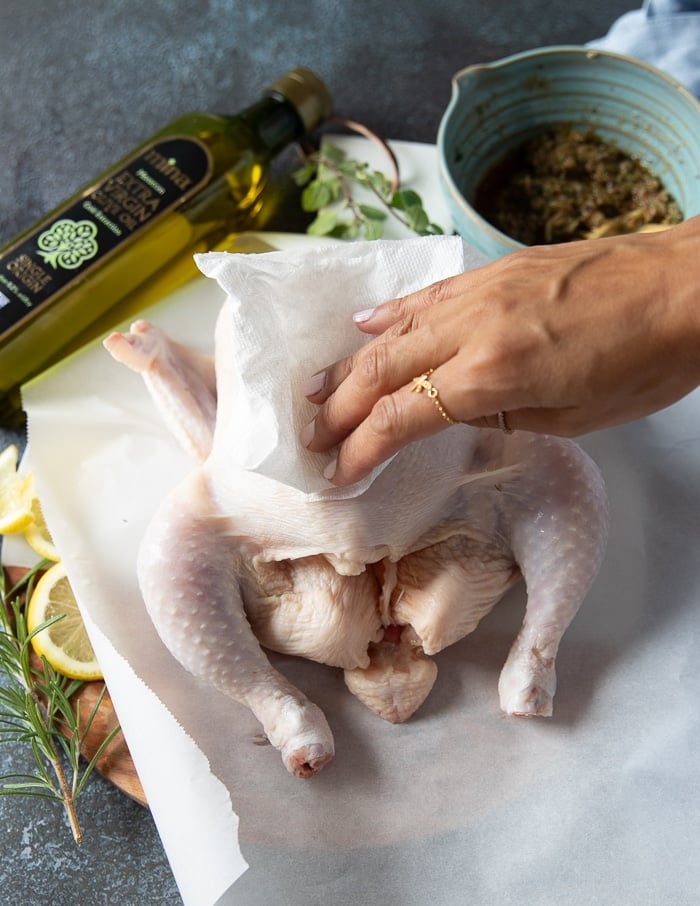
x: 115, y: 763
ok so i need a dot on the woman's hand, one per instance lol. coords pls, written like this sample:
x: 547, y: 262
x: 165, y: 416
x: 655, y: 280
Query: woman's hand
x: 565, y: 339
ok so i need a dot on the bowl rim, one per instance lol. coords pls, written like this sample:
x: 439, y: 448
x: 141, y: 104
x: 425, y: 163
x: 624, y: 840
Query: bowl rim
x: 506, y: 242
x: 576, y: 50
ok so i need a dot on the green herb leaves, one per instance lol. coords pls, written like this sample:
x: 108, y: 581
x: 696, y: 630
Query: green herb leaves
x: 328, y: 178
x: 37, y: 707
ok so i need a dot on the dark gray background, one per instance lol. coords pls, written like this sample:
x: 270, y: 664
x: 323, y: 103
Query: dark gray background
x: 81, y: 83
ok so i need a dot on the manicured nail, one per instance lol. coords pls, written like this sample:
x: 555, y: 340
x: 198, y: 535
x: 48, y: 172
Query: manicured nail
x: 307, y: 433
x: 313, y: 384
x: 359, y: 317
x: 330, y: 469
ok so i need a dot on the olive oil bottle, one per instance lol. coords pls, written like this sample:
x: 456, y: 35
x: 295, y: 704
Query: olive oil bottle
x: 193, y: 183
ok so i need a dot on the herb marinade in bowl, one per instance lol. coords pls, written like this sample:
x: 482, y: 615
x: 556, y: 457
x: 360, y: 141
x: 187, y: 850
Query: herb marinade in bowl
x: 628, y: 106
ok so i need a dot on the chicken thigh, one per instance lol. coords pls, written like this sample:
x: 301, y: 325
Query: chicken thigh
x: 234, y: 562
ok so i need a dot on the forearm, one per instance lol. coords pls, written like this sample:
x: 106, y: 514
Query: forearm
x: 680, y: 261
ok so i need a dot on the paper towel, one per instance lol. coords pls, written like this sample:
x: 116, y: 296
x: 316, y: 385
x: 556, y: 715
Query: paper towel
x: 290, y: 315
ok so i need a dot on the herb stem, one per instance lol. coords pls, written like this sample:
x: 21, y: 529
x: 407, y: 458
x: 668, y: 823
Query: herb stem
x: 66, y: 793
x: 37, y: 706
x: 372, y: 136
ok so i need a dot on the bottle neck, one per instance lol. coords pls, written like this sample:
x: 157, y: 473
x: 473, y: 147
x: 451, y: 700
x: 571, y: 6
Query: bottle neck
x: 275, y: 122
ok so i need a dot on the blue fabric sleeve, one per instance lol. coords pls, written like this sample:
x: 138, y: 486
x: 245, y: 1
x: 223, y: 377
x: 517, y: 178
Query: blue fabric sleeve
x: 665, y: 33
x: 664, y: 7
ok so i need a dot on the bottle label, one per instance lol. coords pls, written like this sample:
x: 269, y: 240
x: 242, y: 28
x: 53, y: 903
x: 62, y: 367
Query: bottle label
x: 77, y: 238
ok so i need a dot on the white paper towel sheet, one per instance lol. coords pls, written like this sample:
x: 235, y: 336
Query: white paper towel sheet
x: 600, y: 804
x: 288, y: 314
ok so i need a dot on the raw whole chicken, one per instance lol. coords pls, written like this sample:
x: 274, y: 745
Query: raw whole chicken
x: 374, y: 584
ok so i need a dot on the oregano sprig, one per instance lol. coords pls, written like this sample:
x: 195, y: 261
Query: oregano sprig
x: 328, y: 178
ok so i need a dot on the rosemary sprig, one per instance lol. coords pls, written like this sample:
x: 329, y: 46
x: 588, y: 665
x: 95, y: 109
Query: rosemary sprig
x: 328, y: 177
x: 37, y: 706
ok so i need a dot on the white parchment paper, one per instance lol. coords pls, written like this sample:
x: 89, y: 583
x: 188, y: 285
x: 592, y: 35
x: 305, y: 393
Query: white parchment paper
x: 600, y: 804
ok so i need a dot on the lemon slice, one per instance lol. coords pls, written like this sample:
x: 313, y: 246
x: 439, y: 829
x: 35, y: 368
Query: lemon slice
x: 64, y: 644
x: 16, y: 494
x: 37, y: 534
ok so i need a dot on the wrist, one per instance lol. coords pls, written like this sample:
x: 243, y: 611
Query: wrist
x: 680, y: 260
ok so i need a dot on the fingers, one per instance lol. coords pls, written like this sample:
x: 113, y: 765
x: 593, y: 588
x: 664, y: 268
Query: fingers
x: 426, y: 404
x: 354, y: 386
x: 395, y: 318
x: 366, y: 402
x: 565, y: 422
x: 377, y: 320
x: 406, y: 416
x: 395, y: 420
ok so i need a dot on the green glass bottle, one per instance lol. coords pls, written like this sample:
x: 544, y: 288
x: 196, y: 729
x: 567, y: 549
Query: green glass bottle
x: 193, y: 183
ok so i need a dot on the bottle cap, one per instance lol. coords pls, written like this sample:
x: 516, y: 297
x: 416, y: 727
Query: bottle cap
x: 307, y: 92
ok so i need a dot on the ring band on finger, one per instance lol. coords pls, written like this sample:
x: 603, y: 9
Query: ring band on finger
x: 421, y: 383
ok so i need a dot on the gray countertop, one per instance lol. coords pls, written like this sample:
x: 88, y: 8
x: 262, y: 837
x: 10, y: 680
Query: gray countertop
x: 83, y: 83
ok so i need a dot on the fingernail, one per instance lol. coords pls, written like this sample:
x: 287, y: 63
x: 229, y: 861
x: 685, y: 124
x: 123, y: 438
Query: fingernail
x: 307, y: 433
x: 313, y: 384
x: 359, y: 317
x: 330, y: 469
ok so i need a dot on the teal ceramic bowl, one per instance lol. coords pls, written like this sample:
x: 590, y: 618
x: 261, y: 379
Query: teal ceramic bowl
x: 497, y: 106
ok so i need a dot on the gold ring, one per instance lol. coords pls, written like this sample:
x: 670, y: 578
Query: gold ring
x: 422, y: 383
x: 503, y: 424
